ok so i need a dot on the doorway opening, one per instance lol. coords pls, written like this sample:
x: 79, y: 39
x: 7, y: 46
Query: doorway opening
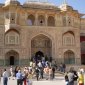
x: 11, y: 60
x: 39, y: 55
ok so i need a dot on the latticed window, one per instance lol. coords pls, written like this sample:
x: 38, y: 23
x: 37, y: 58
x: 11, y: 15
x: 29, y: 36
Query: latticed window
x: 64, y: 21
x: 31, y: 20
x: 41, y: 20
x: 68, y: 39
x: 69, y: 21
x: 12, y: 18
x: 12, y: 38
x: 51, y: 21
x: 69, y: 57
x: 7, y: 15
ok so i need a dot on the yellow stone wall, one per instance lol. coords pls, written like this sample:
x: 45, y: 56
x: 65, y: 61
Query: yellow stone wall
x: 14, y: 18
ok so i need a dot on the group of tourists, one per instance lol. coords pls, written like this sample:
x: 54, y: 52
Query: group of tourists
x: 39, y: 71
x: 74, y: 77
x: 25, y: 75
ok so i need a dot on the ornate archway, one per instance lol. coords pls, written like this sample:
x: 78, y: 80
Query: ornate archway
x: 12, y: 58
x: 69, y: 57
x: 41, y: 43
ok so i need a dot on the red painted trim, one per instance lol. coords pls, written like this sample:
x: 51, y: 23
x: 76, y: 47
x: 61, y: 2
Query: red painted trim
x: 82, y: 38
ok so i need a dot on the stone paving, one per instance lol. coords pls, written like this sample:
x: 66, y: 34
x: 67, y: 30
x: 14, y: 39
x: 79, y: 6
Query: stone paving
x: 56, y: 81
x: 59, y: 80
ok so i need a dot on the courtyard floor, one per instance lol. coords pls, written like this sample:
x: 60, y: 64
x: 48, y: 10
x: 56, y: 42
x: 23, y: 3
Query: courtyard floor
x: 56, y: 81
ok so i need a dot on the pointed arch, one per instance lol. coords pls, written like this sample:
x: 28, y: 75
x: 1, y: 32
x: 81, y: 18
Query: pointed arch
x: 41, y: 20
x: 41, y: 43
x: 69, y: 21
x: 12, y: 58
x: 31, y: 20
x: 51, y: 21
x: 68, y: 38
x: 69, y: 57
x: 12, y: 37
x: 71, y: 32
x: 64, y: 21
x: 12, y: 29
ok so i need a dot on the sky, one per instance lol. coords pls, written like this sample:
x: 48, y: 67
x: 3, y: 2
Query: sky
x: 76, y: 4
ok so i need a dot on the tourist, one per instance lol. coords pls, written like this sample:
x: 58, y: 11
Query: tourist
x: 30, y: 69
x: 71, y: 77
x: 50, y: 73
x: 5, y: 77
x: 80, y: 78
x: 75, y: 77
x: 24, y: 77
x: 31, y: 63
x: 16, y: 70
x: 19, y: 77
x: 40, y: 64
x: 66, y: 78
x: 11, y: 73
x: 0, y: 75
x: 37, y: 73
x: 61, y: 67
x: 41, y: 73
x: 64, y: 67
x: 46, y: 71
x: 29, y: 78
x: 53, y: 72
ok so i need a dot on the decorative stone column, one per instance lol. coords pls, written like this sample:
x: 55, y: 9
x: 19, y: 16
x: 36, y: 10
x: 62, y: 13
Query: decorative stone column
x: 56, y: 20
x: 77, y: 51
x: 46, y: 20
x: 36, y: 19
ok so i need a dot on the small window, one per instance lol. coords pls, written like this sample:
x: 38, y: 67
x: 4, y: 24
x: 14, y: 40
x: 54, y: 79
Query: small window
x: 31, y: 20
x: 64, y: 21
x: 41, y: 20
x: 12, y: 38
x: 12, y: 17
x: 51, y: 21
x: 69, y: 21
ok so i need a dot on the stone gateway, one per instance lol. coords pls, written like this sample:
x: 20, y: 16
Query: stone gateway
x: 37, y: 30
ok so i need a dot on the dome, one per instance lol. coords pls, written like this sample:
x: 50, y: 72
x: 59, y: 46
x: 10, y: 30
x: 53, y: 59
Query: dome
x: 15, y: 2
x: 45, y: 5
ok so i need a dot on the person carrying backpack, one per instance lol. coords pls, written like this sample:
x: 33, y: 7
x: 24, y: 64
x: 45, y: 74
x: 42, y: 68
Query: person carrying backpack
x: 66, y: 78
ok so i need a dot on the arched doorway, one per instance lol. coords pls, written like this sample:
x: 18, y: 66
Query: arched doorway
x: 69, y: 57
x: 39, y: 55
x: 12, y: 58
x: 41, y: 45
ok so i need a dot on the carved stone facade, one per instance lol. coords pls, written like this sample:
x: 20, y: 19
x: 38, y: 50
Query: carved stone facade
x: 35, y: 27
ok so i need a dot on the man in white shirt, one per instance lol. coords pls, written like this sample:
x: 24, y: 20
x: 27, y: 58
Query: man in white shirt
x: 5, y: 77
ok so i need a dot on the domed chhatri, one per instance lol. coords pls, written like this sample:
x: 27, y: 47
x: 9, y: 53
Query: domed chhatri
x: 45, y: 1
x: 39, y: 4
x: 7, y: 2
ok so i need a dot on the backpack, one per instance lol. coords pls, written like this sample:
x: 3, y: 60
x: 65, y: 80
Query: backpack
x: 66, y: 78
x: 75, y: 76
